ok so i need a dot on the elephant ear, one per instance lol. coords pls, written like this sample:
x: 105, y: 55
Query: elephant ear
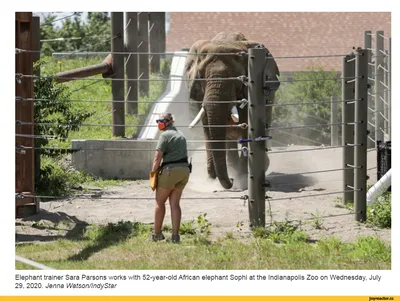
x: 271, y: 68
x: 192, y: 70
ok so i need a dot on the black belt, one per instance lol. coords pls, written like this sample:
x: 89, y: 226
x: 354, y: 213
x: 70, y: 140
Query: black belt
x: 183, y: 160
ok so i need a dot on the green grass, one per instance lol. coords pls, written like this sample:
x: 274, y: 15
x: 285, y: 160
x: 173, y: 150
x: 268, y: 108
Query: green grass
x: 379, y: 214
x: 126, y: 245
x: 91, y: 90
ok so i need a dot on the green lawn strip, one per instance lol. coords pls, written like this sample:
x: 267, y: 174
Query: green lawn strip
x: 126, y: 245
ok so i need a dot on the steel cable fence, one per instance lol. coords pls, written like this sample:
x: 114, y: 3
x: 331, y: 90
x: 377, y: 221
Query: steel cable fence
x: 243, y: 79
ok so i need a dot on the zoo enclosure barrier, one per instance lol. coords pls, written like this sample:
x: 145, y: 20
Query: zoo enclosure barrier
x: 379, y: 96
x: 257, y: 133
x: 379, y: 79
x: 143, y: 31
x: 257, y: 130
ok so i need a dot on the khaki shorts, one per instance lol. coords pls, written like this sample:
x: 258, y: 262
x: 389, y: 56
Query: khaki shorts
x: 174, y: 177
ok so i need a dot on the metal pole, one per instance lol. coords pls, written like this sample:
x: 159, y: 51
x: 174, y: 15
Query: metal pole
x: 132, y: 62
x: 385, y: 97
x: 24, y: 110
x: 348, y: 130
x: 155, y: 41
x: 334, y: 119
x: 117, y: 86
x: 371, y: 105
x: 379, y: 124
x: 257, y: 128
x: 162, y: 45
x: 144, y: 58
x: 389, y: 83
x: 360, y: 130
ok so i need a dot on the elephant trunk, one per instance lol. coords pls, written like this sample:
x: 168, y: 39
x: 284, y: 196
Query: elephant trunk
x: 218, y: 115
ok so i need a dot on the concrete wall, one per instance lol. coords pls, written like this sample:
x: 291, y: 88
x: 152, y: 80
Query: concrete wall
x: 132, y: 159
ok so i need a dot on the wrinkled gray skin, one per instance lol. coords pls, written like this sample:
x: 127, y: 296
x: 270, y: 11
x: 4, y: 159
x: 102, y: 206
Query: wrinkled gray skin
x: 208, y: 65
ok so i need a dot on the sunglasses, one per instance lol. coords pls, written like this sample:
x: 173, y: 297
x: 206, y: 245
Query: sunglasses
x: 162, y: 120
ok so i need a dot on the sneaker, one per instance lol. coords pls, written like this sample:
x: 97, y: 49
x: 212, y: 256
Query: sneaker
x: 175, y: 238
x: 157, y: 236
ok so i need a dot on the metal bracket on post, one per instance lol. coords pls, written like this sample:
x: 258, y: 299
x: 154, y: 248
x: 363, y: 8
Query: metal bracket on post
x: 256, y: 128
x: 371, y: 105
x: 347, y: 128
x: 118, y: 86
x: 389, y: 83
x: 379, y: 121
x: 360, y: 135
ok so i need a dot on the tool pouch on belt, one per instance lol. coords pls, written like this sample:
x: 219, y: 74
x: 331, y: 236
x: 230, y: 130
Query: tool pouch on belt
x: 154, y: 179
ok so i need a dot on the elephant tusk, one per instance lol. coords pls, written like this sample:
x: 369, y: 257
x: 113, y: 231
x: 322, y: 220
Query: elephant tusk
x: 197, y: 118
x: 235, y: 114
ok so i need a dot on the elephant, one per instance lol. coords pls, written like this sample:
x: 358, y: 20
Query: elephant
x: 208, y: 99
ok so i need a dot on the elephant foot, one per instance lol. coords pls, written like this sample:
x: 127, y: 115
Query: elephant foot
x: 240, y: 182
x: 212, y: 174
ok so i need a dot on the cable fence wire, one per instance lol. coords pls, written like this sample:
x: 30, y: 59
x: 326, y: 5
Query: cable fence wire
x: 20, y: 148
x: 310, y: 195
x: 18, y: 98
x: 242, y: 125
x: 19, y: 122
x: 239, y: 53
x: 242, y: 197
x: 98, y: 196
x: 242, y: 78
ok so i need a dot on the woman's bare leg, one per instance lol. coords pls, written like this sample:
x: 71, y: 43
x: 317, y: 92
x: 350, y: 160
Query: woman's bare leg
x: 162, y: 195
x: 176, y: 213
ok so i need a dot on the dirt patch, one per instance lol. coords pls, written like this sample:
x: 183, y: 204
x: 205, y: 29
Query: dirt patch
x: 296, y: 193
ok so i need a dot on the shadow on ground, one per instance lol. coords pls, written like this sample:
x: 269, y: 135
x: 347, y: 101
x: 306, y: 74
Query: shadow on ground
x: 51, y: 232
x: 44, y: 227
x: 108, y: 235
x: 288, y: 182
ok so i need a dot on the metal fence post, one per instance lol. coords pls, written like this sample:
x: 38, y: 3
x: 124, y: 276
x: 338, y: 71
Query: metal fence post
x: 379, y: 122
x: 348, y: 130
x: 117, y: 86
x: 385, y: 96
x: 24, y: 111
x: 143, y: 47
x: 132, y: 62
x: 361, y: 132
x: 256, y: 128
x: 371, y: 105
x: 389, y: 83
x: 334, y: 119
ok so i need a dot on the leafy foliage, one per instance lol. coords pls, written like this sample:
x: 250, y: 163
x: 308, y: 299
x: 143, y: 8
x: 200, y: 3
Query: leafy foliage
x: 380, y: 213
x: 56, y: 180
x: 52, y: 109
x: 93, y: 35
x: 281, y: 232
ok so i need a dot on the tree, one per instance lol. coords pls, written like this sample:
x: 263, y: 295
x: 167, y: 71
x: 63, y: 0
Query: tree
x: 314, y: 85
x: 93, y: 35
x: 54, y: 108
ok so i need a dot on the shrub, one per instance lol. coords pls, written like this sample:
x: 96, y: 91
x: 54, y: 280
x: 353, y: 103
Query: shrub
x: 380, y: 213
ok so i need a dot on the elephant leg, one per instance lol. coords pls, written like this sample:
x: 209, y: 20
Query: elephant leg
x: 238, y: 166
x: 233, y: 158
